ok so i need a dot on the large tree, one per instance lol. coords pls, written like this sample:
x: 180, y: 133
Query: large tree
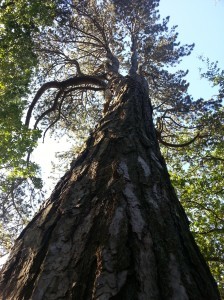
x: 113, y: 227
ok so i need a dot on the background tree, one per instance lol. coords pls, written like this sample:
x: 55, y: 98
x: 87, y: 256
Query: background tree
x: 197, y: 174
x: 20, y: 181
x: 80, y: 61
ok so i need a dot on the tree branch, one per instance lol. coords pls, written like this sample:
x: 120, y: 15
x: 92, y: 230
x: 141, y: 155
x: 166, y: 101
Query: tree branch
x: 73, y: 81
x: 201, y: 206
x: 65, y: 57
x: 213, y: 230
x: 56, y: 120
x: 214, y: 259
x: 134, y: 58
x: 52, y: 108
x: 179, y: 125
x: 159, y: 136
x: 211, y: 157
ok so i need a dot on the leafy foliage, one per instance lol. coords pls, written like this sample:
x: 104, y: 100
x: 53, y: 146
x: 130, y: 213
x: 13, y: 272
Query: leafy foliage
x: 198, y: 175
x: 19, y: 22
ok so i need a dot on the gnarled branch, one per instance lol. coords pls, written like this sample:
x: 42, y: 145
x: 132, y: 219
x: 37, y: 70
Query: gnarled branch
x: 159, y: 136
x: 52, y: 108
x: 57, y: 97
x: 62, y: 85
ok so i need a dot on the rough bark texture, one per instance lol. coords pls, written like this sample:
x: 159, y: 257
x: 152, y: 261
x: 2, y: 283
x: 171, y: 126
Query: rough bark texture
x: 113, y: 228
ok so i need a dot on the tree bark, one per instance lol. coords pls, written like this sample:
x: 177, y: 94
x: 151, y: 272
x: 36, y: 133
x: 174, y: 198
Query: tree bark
x: 113, y: 227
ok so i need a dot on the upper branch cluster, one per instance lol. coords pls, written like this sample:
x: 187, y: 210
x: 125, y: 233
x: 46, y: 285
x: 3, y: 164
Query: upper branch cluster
x: 92, y: 40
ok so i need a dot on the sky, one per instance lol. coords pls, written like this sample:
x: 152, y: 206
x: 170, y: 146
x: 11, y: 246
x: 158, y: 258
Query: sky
x: 200, y: 22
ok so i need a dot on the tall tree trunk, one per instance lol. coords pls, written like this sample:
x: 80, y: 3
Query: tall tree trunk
x: 113, y: 227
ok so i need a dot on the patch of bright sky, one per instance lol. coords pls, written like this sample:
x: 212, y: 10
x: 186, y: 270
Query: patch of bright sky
x: 200, y: 22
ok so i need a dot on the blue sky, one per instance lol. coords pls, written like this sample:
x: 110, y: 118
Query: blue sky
x: 200, y: 22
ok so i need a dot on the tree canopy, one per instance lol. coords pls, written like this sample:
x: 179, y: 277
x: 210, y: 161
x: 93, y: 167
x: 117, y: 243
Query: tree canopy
x: 59, y: 61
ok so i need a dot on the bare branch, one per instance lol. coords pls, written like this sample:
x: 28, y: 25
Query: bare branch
x: 215, y: 259
x: 73, y: 81
x: 175, y: 145
x: 179, y: 125
x: 213, y: 230
x: 202, y: 206
x: 57, y: 119
x: 211, y: 157
x: 52, y: 108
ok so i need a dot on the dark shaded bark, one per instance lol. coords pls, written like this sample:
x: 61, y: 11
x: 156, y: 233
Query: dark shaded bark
x: 113, y: 228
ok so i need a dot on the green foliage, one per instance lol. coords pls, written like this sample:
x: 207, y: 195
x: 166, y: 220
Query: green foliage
x: 19, y: 22
x: 215, y: 75
x: 198, y: 175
